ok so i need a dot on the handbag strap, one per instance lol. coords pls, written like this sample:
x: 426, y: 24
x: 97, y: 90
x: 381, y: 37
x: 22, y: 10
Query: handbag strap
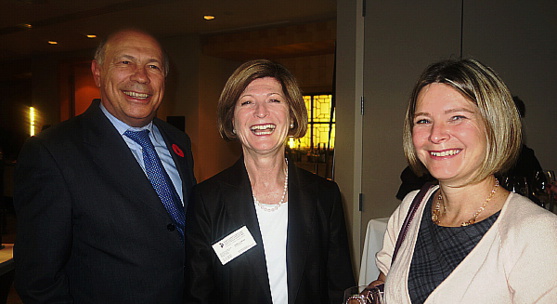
x: 409, y: 216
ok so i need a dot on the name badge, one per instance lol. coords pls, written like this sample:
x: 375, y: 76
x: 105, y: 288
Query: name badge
x: 233, y: 245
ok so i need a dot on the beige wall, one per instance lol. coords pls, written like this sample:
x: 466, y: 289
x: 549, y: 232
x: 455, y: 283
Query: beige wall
x: 400, y: 41
x: 518, y: 40
x: 349, y: 89
x: 213, y: 153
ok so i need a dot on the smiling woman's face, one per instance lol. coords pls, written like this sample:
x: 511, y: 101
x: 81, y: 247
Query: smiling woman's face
x: 448, y: 134
x: 261, y: 117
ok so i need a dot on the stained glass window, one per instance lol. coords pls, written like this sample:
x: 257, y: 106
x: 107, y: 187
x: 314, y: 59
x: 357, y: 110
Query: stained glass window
x: 321, y: 128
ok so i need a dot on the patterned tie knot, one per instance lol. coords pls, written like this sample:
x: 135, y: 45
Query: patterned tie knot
x: 140, y: 137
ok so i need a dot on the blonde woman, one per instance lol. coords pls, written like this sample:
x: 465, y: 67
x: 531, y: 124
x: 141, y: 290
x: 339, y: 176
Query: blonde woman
x: 470, y: 241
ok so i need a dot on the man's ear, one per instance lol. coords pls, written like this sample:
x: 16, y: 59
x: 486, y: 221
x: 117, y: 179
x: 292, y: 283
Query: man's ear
x: 96, y: 70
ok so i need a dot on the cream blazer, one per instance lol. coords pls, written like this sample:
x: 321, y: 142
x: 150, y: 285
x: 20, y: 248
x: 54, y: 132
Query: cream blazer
x: 515, y: 261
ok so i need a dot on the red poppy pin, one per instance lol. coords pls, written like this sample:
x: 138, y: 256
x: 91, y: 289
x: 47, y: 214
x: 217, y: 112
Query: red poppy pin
x: 177, y: 150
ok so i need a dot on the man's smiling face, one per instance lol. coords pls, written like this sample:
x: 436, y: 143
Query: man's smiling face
x: 131, y: 77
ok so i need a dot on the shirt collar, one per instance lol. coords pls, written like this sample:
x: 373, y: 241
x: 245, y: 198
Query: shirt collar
x: 123, y: 127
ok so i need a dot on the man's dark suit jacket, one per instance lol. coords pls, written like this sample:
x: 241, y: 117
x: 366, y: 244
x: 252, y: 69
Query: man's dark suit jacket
x: 91, y: 228
x: 318, y: 256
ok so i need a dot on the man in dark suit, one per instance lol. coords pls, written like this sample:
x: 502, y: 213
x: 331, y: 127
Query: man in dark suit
x: 93, y: 226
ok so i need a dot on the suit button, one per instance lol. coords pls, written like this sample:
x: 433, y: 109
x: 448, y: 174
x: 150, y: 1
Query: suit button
x: 171, y: 227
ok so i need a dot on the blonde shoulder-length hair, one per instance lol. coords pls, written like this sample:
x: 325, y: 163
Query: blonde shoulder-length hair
x: 483, y: 87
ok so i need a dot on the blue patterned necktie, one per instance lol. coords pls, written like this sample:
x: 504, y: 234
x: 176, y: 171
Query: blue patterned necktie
x: 159, y: 179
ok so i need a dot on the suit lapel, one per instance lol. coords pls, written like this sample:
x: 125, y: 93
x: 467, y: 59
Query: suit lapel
x: 301, y: 209
x: 115, y: 161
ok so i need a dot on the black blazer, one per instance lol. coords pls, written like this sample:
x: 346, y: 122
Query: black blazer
x: 318, y: 257
x: 91, y: 228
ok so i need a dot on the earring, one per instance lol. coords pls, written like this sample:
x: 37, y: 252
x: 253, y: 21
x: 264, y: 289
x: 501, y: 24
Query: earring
x: 292, y: 126
x: 234, y: 131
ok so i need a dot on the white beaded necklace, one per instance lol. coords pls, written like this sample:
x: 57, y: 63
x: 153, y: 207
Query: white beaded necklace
x: 281, y: 202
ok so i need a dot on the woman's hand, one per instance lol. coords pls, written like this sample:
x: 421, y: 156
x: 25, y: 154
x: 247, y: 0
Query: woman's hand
x: 366, y: 292
x: 380, y: 280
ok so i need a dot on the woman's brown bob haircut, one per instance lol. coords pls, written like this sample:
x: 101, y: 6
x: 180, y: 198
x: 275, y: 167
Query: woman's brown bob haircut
x: 483, y: 87
x: 242, y: 77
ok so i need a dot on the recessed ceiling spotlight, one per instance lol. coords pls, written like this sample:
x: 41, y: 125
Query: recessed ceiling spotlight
x: 26, y: 25
x: 91, y: 36
x: 52, y: 42
x: 208, y: 17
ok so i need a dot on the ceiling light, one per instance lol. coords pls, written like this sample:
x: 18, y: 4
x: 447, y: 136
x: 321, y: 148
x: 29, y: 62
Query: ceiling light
x: 208, y: 17
x: 91, y: 36
x: 51, y: 42
x: 26, y: 25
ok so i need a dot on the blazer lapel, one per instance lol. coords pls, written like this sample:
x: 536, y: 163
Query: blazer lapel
x: 301, y: 209
x: 241, y: 207
x: 114, y: 159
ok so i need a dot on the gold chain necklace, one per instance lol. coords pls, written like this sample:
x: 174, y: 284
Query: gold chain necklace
x: 436, y: 214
